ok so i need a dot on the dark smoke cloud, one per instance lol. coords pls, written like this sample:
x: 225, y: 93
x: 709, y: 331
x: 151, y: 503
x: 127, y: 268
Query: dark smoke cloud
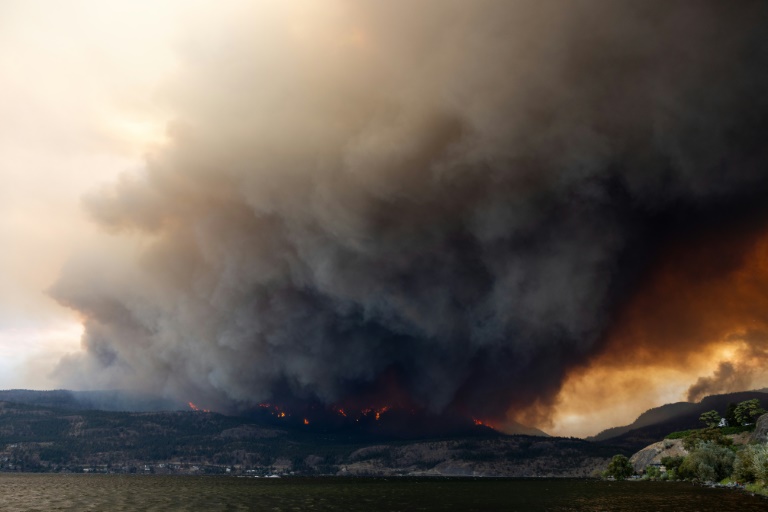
x: 725, y: 379
x: 436, y: 203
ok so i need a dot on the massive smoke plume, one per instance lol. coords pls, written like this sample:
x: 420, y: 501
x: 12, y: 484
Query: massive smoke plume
x: 440, y: 204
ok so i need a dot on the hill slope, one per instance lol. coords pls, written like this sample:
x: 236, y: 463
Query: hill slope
x: 656, y: 423
x: 40, y: 438
x: 109, y: 400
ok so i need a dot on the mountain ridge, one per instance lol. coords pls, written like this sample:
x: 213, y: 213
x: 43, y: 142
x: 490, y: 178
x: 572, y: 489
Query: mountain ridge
x: 35, y: 438
x: 658, y: 422
x: 61, y: 430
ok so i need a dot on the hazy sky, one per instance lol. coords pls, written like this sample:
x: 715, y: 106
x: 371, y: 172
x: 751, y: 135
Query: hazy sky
x: 505, y: 208
x: 79, y: 82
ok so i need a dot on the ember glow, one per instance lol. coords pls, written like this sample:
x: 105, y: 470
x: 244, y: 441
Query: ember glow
x: 274, y: 410
x: 196, y: 408
x: 544, y: 212
x: 280, y: 411
x: 481, y: 423
x: 376, y: 413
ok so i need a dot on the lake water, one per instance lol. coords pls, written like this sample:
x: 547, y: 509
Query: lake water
x: 46, y: 492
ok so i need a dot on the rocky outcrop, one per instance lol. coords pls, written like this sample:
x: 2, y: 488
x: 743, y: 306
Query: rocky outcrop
x: 760, y: 434
x: 653, y: 454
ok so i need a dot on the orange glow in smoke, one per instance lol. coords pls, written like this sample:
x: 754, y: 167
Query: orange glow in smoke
x: 196, y: 408
x: 481, y: 423
x: 379, y: 412
x: 376, y: 412
x: 703, y: 303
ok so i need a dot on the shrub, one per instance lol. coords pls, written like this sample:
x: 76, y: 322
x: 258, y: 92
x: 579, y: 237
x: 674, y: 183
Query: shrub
x: 672, y: 463
x: 709, y: 462
x: 681, y: 434
x: 751, y: 464
x: 737, y: 430
x: 652, y: 473
x: 707, y: 436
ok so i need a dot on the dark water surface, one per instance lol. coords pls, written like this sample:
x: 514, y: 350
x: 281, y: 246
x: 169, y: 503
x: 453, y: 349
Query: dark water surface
x: 156, y: 493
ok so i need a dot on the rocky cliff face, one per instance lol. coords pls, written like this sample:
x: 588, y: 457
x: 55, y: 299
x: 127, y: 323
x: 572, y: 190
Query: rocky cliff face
x: 760, y: 435
x: 653, y: 454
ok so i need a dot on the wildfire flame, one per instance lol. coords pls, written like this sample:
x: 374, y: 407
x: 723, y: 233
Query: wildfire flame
x: 376, y: 412
x: 196, y: 408
x: 371, y: 412
x: 275, y: 409
x: 481, y: 423
x: 381, y: 411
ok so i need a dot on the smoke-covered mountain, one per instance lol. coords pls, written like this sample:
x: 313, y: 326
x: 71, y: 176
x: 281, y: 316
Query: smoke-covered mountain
x: 43, y: 438
x: 106, y: 400
x: 380, y: 424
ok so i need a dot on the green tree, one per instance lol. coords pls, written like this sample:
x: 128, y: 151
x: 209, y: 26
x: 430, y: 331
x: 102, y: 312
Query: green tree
x: 748, y: 411
x: 619, y: 468
x: 710, y: 418
x: 730, y: 415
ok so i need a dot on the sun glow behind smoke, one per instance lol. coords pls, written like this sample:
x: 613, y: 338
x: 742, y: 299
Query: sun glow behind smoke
x: 141, y: 135
x: 77, y: 98
x: 693, y: 330
x: 28, y: 354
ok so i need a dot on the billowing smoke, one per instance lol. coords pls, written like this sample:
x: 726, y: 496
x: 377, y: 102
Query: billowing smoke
x: 726, y: 378
x: 742, y: 373
x: 441, y: 204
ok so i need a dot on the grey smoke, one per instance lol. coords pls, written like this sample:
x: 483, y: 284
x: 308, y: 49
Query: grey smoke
x: 737, y: 375
x: 726, y: 378
x: 450, y: 199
